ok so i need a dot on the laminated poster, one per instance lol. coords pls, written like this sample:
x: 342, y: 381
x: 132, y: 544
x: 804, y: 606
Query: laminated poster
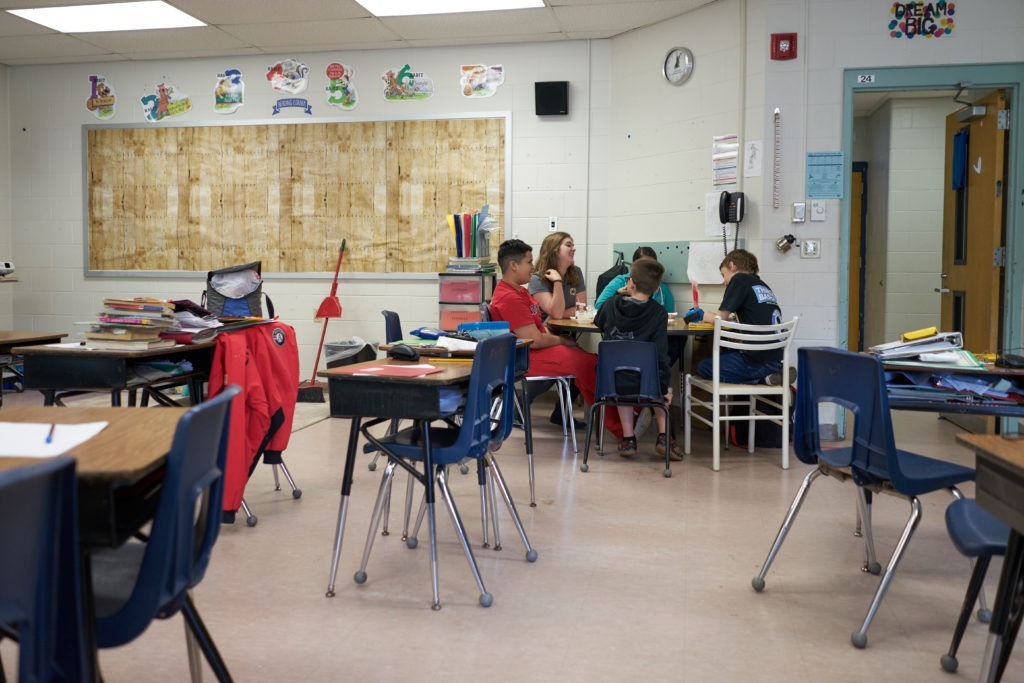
x: 406, y: 84
x: 288, y: 76
x: 229, y: 93
x: 480, y: 80
x: 101, y: 99
x: 163, y: 101
x: 341, y: 91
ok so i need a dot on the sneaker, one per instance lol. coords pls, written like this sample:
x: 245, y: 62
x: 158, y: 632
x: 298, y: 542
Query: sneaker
x: 643, y: 421
x: 674, y: 453
x: 775, y: 379
x: 627, y: 447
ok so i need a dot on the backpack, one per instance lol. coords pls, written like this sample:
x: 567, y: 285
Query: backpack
x: 236, y: 292
x: 620, y: 268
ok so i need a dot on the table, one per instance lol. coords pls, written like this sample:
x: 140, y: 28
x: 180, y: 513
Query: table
x: 359, y: 396
x: 10, y: 339
x: 1000, y: 490
x: 676, y: 327
x: 76, y: 368
x: 117, y: 486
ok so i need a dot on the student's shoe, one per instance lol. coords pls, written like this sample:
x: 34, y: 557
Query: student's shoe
x: 627, y: 447
x: 643, y: 421
x: 775, y: 379
x: 674, y: 453
x: 556, y: 419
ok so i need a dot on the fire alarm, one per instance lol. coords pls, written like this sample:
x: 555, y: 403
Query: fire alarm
x: 783, y: 46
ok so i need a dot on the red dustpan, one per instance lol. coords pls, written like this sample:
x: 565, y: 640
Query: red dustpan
x: 312, y: 392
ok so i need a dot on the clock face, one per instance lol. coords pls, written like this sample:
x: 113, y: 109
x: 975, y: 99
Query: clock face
x: 678, y: 65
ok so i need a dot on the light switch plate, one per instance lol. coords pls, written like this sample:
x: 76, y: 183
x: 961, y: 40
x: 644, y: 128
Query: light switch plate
x: 799, y: 212
x: 818, y: 210
x: 810, y: 248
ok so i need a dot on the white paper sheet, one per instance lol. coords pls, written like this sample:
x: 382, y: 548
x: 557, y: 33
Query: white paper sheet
x: 28, y: 439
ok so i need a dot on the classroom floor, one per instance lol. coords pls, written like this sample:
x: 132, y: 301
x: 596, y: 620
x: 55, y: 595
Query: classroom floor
x: 639, y: 578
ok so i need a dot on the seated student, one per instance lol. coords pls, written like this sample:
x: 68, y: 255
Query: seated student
x: 635, y: 314
x: 558, y: 284
x: 663, y: 296
x: 748, y: 300
x: 550, y: 354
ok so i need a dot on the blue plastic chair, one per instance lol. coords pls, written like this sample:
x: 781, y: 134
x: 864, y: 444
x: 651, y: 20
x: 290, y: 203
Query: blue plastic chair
x: 491, y: 377
x: 856, y: 382
x: 978, y: 534
x: 142, y: 581
x: 392, y: 327
x: 40, y: 590
x: 627, y: 375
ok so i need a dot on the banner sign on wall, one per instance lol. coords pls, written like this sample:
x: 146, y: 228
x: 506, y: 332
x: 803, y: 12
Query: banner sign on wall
x: 341, y: 91
x: 101, y: 100
x: 480, y: 80
x: 163, y: 101
x: 925, y: 19
x: 406, y: 84
x: 229, y: 93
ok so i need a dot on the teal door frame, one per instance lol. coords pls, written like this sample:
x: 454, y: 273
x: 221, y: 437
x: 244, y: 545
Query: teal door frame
x: 981, y: 77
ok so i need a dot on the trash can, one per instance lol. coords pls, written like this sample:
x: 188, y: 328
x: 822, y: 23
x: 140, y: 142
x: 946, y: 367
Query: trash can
x: 355, y: 350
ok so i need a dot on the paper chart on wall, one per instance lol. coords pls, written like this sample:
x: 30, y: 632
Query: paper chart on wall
x: 703, y: 261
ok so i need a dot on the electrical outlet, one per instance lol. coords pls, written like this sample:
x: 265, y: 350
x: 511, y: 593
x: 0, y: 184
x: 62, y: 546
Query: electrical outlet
x: 552, y: 223
x: 810, y: 248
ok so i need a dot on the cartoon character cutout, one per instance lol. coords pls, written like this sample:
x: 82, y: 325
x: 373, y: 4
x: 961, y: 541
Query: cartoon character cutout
x: 341, y: 92
x: 229, y: 93
x: 166, y: 102
x: 406, y: 84
x: 480, y: 80
x: 101, y: 100
x: 289, y: 76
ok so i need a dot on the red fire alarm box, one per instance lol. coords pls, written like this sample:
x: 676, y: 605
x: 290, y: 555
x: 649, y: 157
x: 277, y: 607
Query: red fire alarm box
x: 783, y: 46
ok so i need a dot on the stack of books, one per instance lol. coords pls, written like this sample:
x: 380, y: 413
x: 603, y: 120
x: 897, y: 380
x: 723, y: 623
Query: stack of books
x: 132, y: 324
x: 470, y: 264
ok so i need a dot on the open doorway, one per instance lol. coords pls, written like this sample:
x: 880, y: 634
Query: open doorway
x: 898, y: 285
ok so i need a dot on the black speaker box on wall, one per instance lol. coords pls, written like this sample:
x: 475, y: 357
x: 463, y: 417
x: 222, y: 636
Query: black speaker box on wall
x: 551, y: 97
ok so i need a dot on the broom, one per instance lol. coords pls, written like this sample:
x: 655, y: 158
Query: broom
x: 313, y: 391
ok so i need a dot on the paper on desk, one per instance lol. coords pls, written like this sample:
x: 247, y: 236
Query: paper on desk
x: 28, y: 439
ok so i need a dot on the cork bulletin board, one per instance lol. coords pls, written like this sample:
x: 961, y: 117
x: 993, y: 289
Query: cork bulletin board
x: 192, y: 199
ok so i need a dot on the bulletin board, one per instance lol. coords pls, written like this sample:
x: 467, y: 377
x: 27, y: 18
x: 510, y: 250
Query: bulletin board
x: 190, y: 199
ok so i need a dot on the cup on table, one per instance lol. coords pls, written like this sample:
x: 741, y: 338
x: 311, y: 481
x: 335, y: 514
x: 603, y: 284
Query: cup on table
x: 672, y: 315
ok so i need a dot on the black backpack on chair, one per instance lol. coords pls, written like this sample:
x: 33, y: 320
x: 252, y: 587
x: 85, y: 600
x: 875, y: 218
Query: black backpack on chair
x: 236, y: 292
x: 620, y: 268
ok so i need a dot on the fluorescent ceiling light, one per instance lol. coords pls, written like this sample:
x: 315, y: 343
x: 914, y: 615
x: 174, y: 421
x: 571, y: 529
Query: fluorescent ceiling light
x: 117, y: 16
x: 403, y: 8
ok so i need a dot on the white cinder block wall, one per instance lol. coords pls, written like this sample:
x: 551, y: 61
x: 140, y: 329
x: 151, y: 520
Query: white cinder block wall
x: 632, y: 158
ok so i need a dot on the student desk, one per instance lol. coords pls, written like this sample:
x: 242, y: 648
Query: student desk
x: 1000, y: 490
x: 73, y: 367
x: 10, y: 339
x: 359, y: 396
x: 118, y: 486
x: 676, y: 327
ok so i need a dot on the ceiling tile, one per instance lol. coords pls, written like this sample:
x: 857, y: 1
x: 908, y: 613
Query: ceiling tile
x: 480, y: 25
x: 165, y: 40
x: 271, y: 11
x: 322, y: 32
x: 55, y: 45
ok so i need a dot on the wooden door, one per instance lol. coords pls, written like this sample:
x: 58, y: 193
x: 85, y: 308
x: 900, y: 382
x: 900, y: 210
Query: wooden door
x: 973, y: 229
x: 855, y: 322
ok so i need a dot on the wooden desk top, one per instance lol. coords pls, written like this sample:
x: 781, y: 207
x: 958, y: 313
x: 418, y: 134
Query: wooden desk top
x: 135, y: 441
x: 1008, y: 451
x: 85, y: 352
x: 452, y: 372
x: 11, y: 338
x: 675, y: 327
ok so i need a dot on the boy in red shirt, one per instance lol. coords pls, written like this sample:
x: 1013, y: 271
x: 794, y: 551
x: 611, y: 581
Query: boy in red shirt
x: 550, y: 354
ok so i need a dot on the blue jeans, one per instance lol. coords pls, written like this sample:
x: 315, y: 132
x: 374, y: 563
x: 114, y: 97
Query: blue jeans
x: 734, y: 367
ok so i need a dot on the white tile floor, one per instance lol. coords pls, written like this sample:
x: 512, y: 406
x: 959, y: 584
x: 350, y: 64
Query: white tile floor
x: 639, y: 578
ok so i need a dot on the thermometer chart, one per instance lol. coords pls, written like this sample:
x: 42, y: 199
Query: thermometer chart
x: 776, y: 158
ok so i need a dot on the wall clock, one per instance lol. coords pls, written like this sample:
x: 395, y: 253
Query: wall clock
x: 678, y: 65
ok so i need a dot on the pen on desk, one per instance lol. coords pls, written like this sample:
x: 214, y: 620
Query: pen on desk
x: 49, y: 434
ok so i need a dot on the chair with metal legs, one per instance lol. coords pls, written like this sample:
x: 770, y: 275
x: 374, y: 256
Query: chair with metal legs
x: 856, y: 382
x: 978, y: 534
x: 491, y: 377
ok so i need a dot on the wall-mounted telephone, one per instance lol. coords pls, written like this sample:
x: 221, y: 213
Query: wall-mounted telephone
x: 730, y: 207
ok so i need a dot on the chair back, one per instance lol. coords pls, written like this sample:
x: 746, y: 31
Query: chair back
x: 185, y: 525
x: 752, y: 338
x: 392, y: 327
x: 833, y: 376
x: 40, y: 591
x: 492, y: 378
x: 627, y: 369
